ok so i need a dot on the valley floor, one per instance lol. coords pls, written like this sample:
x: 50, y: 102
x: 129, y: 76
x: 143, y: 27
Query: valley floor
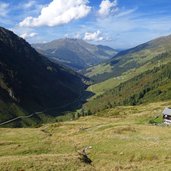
x: 121, y: 139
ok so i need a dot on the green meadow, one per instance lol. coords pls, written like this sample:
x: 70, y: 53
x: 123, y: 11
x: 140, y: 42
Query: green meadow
x: 122, y: 138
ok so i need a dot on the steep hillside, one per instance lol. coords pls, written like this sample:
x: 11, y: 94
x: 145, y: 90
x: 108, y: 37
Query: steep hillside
x: 75, y: 53
x: 30, y: 82
x: 141, y: 57
x: 152, y: 85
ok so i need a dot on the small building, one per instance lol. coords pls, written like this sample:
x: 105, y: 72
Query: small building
x: 167, y: 115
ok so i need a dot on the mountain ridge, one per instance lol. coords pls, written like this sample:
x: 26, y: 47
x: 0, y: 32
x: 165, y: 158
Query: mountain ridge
x: 127, y: 60
x: 29, y: 82
x: 75, y: 53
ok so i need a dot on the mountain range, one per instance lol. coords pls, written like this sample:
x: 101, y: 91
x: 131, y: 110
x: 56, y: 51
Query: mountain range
x: 144, y: 56
x: 31, y: 82
x: 75, y: 53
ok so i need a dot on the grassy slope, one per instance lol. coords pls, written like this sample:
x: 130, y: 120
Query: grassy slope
x: 152, y: 85
x: 100, y: 88
x: 121, y: 139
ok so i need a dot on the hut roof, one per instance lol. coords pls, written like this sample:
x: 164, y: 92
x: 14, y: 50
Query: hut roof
x: 167, y: 111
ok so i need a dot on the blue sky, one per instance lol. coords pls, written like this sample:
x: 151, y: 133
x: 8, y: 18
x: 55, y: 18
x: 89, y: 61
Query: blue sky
x: 118, y: 23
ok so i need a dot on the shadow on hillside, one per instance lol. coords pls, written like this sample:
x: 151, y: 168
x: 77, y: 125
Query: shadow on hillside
x: 71, y: 107
x: 46, y: 115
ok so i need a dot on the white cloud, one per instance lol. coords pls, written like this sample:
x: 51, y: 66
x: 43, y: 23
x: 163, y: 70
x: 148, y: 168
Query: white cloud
x: 126, y: 12
x: 66, y: 36
x: 3, y: 9
x: 77, y: 36
x: 28, y: 35
x: 94, y: 36
x: 107, y: 7
x: 58, y: 12
x: 73, y: 35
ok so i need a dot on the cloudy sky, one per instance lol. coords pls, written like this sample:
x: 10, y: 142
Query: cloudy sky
x: 118, y: 23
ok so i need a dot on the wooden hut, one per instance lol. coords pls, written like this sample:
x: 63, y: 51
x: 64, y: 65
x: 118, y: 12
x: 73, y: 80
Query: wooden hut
x: 167, y: 115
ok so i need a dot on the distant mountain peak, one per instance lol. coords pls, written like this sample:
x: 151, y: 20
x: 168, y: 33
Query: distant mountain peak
x: 75, y: 53
x: 71, y: 39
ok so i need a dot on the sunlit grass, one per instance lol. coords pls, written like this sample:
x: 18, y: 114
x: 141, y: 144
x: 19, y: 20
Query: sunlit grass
x: 121, y: 139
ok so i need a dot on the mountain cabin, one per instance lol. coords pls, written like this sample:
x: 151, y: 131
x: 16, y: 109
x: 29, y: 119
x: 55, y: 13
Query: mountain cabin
x: 167, y: 115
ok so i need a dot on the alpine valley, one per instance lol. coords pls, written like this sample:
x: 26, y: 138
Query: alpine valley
x: 70, y: 105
